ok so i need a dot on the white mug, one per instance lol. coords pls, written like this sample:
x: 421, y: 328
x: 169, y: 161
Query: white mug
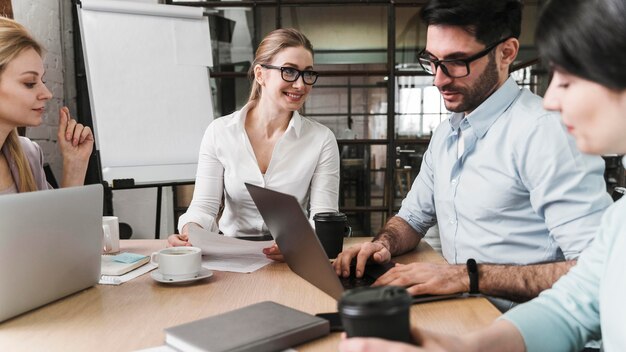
x: 110, y: 234
x: 178, y: 263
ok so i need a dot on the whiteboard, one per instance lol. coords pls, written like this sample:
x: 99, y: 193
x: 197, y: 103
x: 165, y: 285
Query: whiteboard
x: 149, y: 89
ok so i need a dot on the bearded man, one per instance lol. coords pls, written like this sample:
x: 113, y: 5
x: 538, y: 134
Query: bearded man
x: 514, y: 199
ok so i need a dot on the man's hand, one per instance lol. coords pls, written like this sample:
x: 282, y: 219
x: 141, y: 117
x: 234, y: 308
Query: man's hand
x: 375, y: 250
x: 426, y: 278
x: 395, y: 238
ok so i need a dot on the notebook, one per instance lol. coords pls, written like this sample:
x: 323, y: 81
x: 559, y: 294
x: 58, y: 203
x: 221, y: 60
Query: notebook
x: 111, y: 267
x: 302, y: 250
x: 50, y: 246
x: 265, y: 326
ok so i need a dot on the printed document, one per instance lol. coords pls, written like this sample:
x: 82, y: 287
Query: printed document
x: 225, y: 253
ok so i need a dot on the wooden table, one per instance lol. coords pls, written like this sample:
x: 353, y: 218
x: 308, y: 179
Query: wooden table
x: 133, y: 315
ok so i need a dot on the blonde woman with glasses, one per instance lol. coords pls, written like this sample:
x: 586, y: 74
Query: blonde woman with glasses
x: 266, y: 143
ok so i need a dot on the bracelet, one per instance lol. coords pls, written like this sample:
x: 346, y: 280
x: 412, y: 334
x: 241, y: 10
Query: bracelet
x: 472, y: 271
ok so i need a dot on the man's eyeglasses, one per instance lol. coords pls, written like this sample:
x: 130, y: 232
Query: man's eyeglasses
x: 453, y: 68
x: 290, y: 74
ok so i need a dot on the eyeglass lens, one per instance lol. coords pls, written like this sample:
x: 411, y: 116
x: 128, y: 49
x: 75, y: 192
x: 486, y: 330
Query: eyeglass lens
x: 291, y: 74
x: 450, y: 68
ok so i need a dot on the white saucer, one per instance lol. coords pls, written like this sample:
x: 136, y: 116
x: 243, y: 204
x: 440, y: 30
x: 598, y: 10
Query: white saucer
x: 203, y: 274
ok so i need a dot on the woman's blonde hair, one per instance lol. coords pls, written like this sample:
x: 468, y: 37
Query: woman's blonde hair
x: 14, y: 39
x: 272, y: 44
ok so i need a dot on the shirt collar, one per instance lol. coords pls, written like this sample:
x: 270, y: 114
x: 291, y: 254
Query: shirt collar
x: 488, y: 112
x: 295, y: 123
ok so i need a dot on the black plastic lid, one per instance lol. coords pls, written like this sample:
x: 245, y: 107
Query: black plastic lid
x: 369, y: 301
x: 330, y: 216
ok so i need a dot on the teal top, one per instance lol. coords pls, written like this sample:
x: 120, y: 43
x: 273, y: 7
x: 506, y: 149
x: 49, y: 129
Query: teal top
x: 589, y: 302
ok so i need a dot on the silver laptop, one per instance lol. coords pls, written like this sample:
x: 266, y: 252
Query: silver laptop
x: 302, y: 250
x: 50, y: 246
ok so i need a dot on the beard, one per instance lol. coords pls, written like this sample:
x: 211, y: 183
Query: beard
x: 474, y: 95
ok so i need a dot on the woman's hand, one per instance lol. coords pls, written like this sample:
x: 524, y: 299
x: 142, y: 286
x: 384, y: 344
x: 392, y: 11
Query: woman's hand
x: 182, y: 239
x: 76, y: 144
x: 274, y: 253
x: 178, y: 240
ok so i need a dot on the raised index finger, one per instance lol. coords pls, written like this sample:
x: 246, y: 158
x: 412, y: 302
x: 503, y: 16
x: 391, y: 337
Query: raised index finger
x: 64, y: 116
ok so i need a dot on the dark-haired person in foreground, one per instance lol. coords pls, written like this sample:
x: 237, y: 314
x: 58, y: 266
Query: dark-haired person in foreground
x: 501, y: 177
x: 583, y: 41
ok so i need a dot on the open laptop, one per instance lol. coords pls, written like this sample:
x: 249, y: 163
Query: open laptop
x: 302, y: 250
x: 50, y: 246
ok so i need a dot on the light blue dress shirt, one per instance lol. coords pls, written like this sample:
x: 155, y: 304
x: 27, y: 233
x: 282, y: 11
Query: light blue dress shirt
x: 588, y: 302
x: 520, y: 193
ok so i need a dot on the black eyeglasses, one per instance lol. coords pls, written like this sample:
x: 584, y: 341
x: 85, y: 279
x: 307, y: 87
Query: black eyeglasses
x: 453, y: 68
x: 290, y: 74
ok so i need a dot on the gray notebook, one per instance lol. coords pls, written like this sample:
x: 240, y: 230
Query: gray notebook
x: 261, y: 327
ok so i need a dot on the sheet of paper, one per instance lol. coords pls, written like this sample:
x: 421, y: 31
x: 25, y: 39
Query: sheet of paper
x: 225, y: 253
x: 118, y: 280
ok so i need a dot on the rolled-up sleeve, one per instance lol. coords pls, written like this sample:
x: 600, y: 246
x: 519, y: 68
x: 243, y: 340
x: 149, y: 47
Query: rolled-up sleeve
x: 418, y: 208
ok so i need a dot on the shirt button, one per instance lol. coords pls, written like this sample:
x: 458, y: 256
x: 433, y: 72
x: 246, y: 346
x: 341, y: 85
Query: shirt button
x: 453, y: 182
x: 452, y: 221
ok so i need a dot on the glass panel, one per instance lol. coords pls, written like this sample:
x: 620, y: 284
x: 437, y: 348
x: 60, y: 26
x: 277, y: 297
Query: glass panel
x: 352, y: 107
x: 229, y: 94
x: 419, y: 107
x: 526, y: 79
x: 410, y: 37
x: 366, y: 223
x: 407, y: 165
x: 232, y: 34
x: 362, y: 184
x: 266, y: 21
x: 359, y: 32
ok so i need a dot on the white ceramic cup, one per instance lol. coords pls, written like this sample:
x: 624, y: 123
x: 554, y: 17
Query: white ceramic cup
x: 178, y: 263
x: 110, y: 234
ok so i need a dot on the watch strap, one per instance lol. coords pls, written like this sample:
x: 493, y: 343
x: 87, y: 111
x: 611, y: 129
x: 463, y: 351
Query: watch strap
x: 472, y: 271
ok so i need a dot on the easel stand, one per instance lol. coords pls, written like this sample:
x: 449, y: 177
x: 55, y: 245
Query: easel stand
x: 159, y: 186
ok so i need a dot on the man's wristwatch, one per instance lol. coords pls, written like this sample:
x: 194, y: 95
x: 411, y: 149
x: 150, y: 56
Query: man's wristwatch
x: 472, y: 271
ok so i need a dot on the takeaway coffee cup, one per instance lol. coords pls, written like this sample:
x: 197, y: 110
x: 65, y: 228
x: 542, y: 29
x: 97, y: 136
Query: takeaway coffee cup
x: 110, y: 234
x: 331, y: 228
x: 178, y: 263
x: 381, y: 312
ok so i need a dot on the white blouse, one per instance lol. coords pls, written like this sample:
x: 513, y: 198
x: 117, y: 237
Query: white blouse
x: 304, y: 163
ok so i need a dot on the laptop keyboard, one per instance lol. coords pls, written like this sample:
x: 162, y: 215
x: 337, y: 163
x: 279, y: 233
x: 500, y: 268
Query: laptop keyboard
x: 372, y: 272
x: 353, y: 282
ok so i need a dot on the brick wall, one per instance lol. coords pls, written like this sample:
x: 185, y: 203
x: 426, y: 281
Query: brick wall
x: 45, y: 20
